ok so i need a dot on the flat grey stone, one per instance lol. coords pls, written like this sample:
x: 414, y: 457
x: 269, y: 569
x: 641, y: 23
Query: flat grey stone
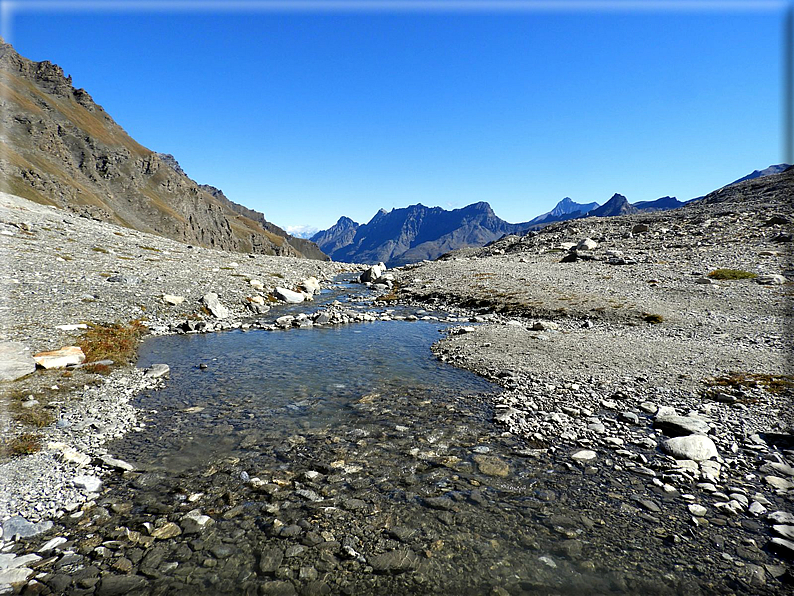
x: 270, y: 559
x: 118, y: 464
x: 678, y: 426
x: 694, y: 447
x: 20, y: 527
x: 395, y: 561
x: 119, y: 585
x: 15, y: 361
x: 781, y: 517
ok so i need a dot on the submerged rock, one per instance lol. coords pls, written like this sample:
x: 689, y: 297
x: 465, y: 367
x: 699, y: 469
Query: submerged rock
x: 19, y: 527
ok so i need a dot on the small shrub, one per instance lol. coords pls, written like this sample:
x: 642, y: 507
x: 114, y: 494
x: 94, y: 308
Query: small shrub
x: 99, y: 249
x: 389, y: 297
x: 280, y: 275
x: 24, y: 444
x: 152, y: 248
x: 38, y: 417
x: 116, y: 342
x: 98, y: 369
x: 731, y: 274
x: 652, y: 318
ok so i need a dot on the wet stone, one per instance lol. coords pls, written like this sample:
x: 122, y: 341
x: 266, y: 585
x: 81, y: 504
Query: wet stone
x: 277, y: 588
x: 120, y: 585
x: 270, y: 559
x: 490, y: 465
x: 396, y: 561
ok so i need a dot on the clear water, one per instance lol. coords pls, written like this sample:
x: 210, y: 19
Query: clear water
x: 285, y: 381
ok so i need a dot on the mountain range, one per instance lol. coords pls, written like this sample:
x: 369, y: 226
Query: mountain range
x: 417, y: 232
x: 412, y: 234
x: 61, y: 148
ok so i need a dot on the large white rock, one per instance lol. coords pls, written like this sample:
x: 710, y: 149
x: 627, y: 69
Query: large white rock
x: 15, y: 361
x: 694, y: 447
x: 91, y: 484
x: 73, y: 456
x: 771, y: 279
x: 213, y: 304
x: 289, y: 296
x: 17, y: 575
x: 587, y: 244
x: 310, y: 285
x: 173, y: 299
x: 60, y: 358
x: 371, y: 274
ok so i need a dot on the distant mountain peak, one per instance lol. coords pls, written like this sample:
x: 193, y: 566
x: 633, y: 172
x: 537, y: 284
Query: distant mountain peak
x: 414, y: 233
x: 617, y: 205
x: 567, y: 206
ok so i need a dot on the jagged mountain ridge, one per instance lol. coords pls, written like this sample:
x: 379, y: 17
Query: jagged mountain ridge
x: 565, y: 209
x: 336, y: 237
x: 61, y: 148
x: 413, y: 233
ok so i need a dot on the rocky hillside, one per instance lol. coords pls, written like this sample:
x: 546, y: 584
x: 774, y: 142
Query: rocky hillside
x: 413, y: 233
x: 61, y: 148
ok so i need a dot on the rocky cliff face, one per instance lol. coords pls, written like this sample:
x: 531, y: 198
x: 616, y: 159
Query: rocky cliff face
x: 413, y: 233
x: 338, y: 236
x: 61, y: 148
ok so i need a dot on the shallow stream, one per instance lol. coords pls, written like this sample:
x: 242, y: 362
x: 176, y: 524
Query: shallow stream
x: 342, y: 460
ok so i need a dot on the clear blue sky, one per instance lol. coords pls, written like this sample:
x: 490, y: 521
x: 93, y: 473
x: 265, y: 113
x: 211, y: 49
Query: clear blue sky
x: 310, y: 115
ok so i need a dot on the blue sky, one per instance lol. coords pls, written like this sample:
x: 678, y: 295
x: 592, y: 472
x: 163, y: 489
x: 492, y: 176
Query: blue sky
x: 309, y: 115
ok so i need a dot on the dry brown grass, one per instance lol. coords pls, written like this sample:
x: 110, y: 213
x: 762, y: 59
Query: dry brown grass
x: 117, y: 342
x: 776, y: 384
x: 24, y: 444
x: 38, y: 417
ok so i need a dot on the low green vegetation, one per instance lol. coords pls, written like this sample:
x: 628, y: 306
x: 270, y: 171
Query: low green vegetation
x: 652, y: 318
x: 731, y: 274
